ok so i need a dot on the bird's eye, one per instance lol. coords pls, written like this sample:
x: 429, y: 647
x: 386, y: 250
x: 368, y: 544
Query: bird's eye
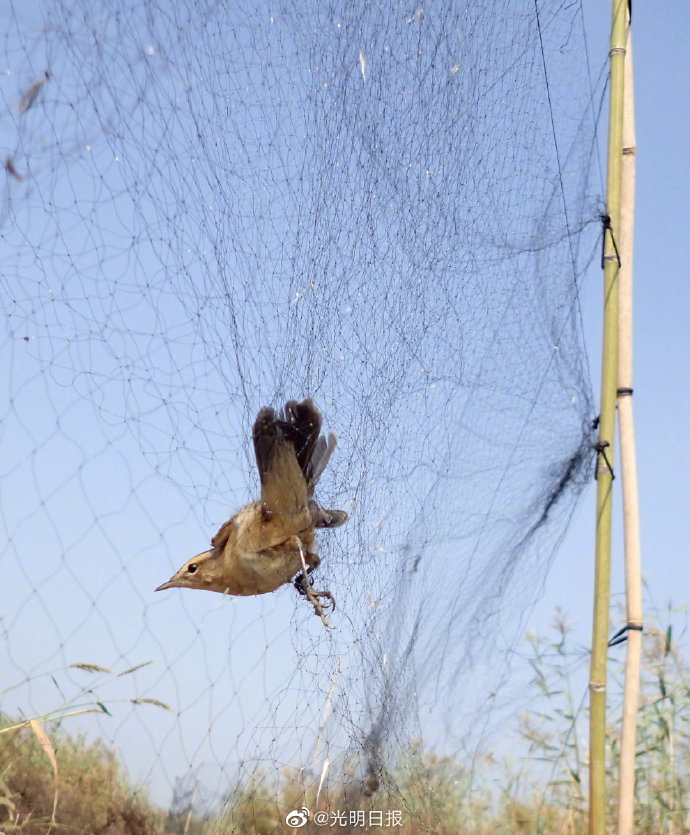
x: 192, y: 567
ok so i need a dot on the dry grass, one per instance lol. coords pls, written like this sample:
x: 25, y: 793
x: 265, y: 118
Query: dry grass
x: 94, y: 796
x: 545, y: 795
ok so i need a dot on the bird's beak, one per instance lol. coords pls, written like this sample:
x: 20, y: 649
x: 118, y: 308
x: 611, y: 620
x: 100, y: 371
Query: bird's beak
x: 171, y: 584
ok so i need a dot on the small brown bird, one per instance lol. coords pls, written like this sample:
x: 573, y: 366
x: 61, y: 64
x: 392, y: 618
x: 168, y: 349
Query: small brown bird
x: 272, y: 541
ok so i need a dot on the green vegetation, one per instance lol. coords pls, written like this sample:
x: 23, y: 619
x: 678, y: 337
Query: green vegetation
x: 542, y: 793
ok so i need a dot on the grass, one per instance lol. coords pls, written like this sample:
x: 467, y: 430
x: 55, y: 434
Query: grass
x: 94, y: 795
x: 51, y: 781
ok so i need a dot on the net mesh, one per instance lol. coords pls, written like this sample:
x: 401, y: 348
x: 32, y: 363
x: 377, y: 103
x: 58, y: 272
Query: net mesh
x: 209, y: 207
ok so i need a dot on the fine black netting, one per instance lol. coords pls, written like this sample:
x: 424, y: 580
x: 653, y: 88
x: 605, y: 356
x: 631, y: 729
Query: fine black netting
x: 210, y: 207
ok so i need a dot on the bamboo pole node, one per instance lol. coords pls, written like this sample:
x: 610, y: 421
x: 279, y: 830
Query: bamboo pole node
x: 622, y: 634
x: 617, y: 50
x: 624, y: 390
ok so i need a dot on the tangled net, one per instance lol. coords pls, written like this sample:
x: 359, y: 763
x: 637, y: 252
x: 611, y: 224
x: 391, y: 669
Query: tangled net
x: 209, y: 207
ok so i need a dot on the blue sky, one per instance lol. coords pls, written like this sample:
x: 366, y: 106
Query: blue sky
x: 113, y: 550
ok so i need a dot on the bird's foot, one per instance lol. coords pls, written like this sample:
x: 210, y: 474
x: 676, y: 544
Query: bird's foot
x: 319, y: 607
x: 304, y: 586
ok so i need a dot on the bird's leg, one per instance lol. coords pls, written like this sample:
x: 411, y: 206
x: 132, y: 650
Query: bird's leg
x: 304, y: 586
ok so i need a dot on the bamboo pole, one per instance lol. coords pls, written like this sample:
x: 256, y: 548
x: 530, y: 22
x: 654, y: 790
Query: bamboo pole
x: 633, y: 578
x: 607, y: 421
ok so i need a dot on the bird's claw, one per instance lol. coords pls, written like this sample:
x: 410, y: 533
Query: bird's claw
x: 305, y: 588
x: 329, y: 597
x: 319, y: 607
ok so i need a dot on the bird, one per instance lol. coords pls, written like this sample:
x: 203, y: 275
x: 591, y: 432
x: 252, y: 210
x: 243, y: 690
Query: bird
x: 272, y: 541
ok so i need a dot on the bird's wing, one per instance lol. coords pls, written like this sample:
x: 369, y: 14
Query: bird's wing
x: 221, y: 538
x: 319, y: 458
x: 280, y: 444
x: 265, y: 435
x: 301, y: 427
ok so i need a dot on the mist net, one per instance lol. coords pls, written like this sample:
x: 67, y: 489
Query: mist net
x: 208, y: 207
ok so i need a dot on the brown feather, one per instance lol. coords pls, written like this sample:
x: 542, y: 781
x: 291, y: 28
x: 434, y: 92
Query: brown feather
x: 221, y: 538
x: 284, y: 490
x: 284, y: 445
x: 265, y: 434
